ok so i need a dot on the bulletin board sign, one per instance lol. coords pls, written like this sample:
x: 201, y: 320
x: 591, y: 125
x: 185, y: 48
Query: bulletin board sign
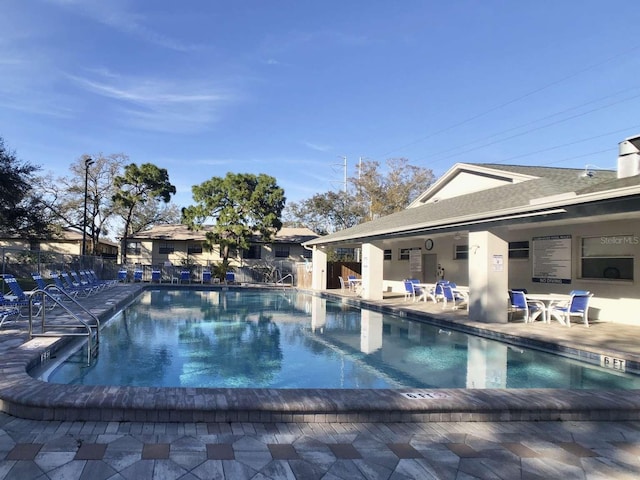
x: 415, y: 262
x: 552, y: 259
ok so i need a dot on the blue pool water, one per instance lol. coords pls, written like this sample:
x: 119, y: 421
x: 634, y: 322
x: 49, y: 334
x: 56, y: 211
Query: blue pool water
x: 276, y: 339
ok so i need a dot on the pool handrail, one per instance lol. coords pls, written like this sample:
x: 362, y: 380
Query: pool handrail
x: 57, y: 299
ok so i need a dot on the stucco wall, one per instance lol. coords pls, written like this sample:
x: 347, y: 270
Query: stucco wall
x: 613, y: 301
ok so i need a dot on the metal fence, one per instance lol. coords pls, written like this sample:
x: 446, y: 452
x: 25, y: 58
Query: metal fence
x: 21, y: 263
x: 281, y: 271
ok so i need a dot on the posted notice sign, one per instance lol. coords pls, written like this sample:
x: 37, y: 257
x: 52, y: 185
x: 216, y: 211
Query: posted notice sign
x: 552, y: 259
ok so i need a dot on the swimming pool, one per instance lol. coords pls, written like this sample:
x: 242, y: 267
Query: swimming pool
x: 271, y: 339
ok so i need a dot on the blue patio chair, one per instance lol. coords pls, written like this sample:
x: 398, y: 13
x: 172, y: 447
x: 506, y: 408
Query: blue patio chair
x: 60, y: 285
x: 87, y: 280
x: 531, y: 309
x: 80, y: 281
x: 71, y: 285
x: 122, y: 275
x: 20, y: 297
x: 42, y: 285
x: 408, y: 289
x: 206, y: 276
x: 450, y: 295
x: 578, y: 306
x: 39, y: 280
x: 76, y: 278
x: 230, y: 277
x: 413, y: 291
x: 156, y: 276
x: 137, y: 275
x: 438, y: 291
x: 185, y: 276
x: 430, y: 292
x: 7, y: 312
x: 16, y: 289
x: 107, y: 282
x: 92, y: 278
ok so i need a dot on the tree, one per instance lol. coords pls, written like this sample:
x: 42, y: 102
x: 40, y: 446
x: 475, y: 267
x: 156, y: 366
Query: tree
x: 154, y: 213
x: 65, y: 195
x: 394, y: 191
x: 136, y: 188
x: 21, y: 209
x: 327, y: 212
x: 241, y: 205
x: 374, y: 194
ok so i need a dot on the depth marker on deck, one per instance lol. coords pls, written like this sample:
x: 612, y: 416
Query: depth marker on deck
x: 423, y: 395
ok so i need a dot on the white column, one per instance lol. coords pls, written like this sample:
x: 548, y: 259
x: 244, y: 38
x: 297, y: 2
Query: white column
x: 488, y: 278
x: 372, y: 271
x: 319, y: 276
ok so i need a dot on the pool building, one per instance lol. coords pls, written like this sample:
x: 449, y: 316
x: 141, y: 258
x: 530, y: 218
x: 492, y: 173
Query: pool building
x: 496, y: 227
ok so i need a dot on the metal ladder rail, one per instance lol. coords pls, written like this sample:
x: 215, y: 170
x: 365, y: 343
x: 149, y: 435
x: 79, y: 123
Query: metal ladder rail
x: 85, y: 309
x: 82, y: 323
x: 282, y: 279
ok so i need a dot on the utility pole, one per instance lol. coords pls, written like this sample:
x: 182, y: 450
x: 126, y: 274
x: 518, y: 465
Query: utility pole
x: 344, y: 167
x: 87, y: 163
x: 345, y: 173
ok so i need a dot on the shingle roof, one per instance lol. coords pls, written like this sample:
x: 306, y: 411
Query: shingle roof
x: 179, y: 232
x: 548, y: 182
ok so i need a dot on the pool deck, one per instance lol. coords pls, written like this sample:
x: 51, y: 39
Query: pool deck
x: 62, y: 431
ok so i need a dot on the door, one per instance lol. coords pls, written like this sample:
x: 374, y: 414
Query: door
x: 429, y: 267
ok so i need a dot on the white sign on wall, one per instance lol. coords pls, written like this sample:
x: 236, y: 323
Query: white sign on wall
x: 415, y: 262
x: 552, y: 259
x: 497, y: 263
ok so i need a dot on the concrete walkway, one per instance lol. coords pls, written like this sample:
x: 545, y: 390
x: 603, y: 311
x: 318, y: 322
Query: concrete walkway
x: 348, y: 451
x: 331, y: 450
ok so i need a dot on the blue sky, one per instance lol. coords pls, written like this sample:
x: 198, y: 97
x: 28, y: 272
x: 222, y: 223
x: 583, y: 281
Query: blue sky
x: 288, y: 88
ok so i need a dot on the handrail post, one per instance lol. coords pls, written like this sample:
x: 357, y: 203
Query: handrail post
x: 42, y: 313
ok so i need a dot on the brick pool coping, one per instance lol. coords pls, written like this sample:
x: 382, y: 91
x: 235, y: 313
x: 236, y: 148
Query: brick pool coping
x: 24, y: 396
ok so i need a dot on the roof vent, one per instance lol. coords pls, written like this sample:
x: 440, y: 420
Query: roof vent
x: 629, y: 157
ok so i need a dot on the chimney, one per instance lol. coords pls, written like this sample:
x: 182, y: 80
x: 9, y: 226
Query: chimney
x: 629, y: 157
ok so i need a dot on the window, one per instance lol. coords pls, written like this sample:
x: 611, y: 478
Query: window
x: 165, y: 248
x: 307, y: 253
x: 282, y: 251
x: 610, y: 257
x: 194, y: 249
x: 461, y: 252
x: 134, y: 248
x: 519, y: 249
x: 387, y: 254
x: 233, y: 253
x: 344, y: 254
x: 252, y: 252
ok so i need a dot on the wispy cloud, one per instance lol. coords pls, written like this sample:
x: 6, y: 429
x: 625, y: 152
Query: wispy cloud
x: 25, y: 84
x: 282, y: 43
x: 158, y: 105
x: 317, y: 147
x: 119, y: 15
